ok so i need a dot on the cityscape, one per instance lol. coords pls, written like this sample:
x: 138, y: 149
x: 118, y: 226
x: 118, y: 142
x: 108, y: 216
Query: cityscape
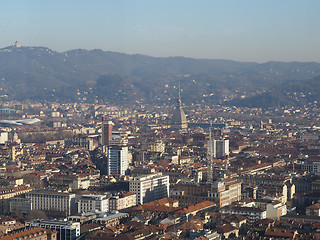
x: 144, y: 129
x: 94, y: 171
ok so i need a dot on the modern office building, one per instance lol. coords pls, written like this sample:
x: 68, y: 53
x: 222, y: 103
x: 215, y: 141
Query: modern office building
x: 150, y: 187
x: 66, y: 230
x: 87, y: 203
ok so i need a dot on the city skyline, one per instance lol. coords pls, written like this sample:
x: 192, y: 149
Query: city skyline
x: 257, y: 31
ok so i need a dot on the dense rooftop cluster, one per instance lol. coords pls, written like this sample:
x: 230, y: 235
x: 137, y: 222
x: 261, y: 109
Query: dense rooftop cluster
x: 153, y: 180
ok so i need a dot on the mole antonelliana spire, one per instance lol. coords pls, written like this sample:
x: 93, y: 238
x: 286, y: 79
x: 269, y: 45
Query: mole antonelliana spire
x: 179, y: 119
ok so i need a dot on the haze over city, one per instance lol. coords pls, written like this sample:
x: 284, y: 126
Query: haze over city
x: 246, y: 30
x: 159, y: 120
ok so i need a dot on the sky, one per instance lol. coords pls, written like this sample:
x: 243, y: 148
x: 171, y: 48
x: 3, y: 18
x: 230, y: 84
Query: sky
x: 241, y: 30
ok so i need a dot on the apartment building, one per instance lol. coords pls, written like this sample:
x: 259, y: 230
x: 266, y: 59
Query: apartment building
x: 122, y: 200
x: 87, y: 203
x: 149, y: 187
x: 222, y: 192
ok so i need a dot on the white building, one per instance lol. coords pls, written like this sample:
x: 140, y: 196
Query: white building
x: 117, y: 157
x: 150, y: 187
x: 51, y: 201
x: 276, y: 209
x: 87, y: 203
x: 4, y: 137
x: 220, y: 148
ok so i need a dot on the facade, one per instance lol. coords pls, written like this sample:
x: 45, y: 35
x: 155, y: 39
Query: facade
x: 66, y: 230
x: 87, y: 203
x: 81, y: 140
x: 51, y: 201
x: 122, y: 201
x: 9, y: 193
x: 274, y: 209
x: 117, y: 160
x: 149, y: 187
x: 310, y: 166
x: 271, y: 185
x: 20, y: 204
x: 253, y: 214
x: 117, y: 157
x: 106, y: 132
x: 4, y: 137
x: 223, y: 193
x: 220, y: 148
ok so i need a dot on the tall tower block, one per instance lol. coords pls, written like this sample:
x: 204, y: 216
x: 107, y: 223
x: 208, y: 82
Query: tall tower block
x: 106, y: 132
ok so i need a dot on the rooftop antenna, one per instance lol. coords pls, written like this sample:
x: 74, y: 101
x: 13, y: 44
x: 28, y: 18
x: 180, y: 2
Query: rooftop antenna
x: 210, y: 156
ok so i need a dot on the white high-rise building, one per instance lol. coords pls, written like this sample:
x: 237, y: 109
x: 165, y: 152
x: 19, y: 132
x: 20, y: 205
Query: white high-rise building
x: 220, y: 148
x: 117, y: 157
x: 150, y: 187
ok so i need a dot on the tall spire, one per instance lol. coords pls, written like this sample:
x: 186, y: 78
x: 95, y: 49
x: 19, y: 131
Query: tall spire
x: 179, y: 120
x: 179, y: 95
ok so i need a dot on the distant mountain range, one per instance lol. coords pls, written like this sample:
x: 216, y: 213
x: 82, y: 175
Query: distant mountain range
x: 39, y: 73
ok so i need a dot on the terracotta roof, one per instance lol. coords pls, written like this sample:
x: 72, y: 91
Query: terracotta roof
x: 276, y: 232
x: 7, y: 219
x: 235, y: 218
x: 162, y: 205
x: 102, y: 234
x: 194, y: 224
x: 30, y: 232
x: 198, y: 207
x: 225, y: 228
x: 314, y: 206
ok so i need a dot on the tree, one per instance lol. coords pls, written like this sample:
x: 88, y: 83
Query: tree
x: 36, y: 214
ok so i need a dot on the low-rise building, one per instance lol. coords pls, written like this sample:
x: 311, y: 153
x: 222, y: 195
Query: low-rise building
x: 122, y: 200
x: 87, y: 203
x: 313, y: 210
x: 37, y: 233
x: 251, y: 213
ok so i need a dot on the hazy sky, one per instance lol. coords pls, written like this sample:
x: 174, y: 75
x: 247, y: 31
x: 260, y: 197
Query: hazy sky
x: 245, y: 30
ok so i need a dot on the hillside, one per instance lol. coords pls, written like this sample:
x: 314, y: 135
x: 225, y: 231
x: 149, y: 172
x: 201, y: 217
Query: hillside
x: 40, y: 73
